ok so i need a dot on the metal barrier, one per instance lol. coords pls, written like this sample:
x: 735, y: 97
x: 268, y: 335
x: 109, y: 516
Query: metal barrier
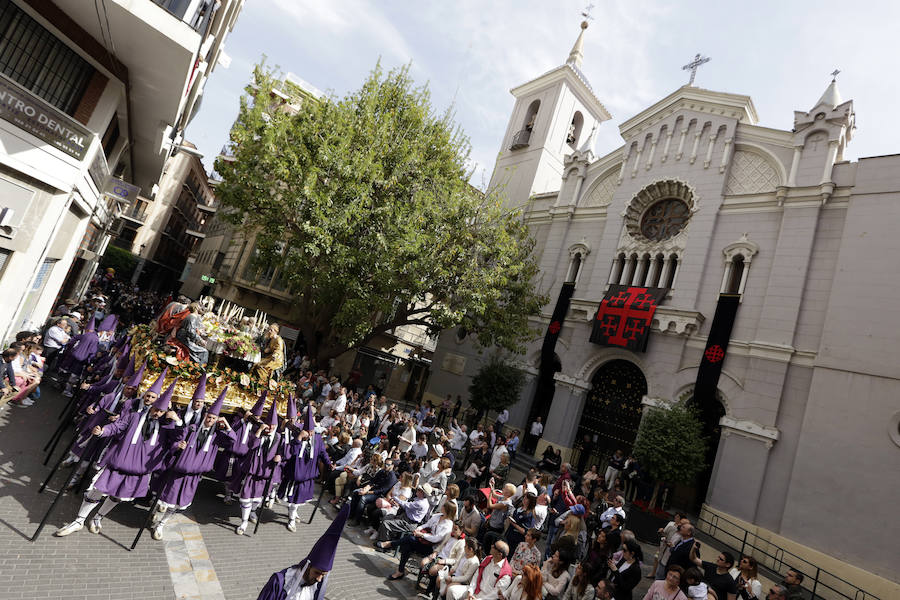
x: 818, y: 582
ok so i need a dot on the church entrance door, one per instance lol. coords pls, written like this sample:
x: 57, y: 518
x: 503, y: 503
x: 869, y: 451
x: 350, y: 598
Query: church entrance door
x: 612, y: 413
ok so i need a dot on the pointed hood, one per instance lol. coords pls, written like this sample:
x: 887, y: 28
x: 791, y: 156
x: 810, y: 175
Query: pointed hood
x: 291, y: 409
x: 200, y: 390
x: 309, y: 422
x: 122, y: 340
x: 273, y: 415
x: 216, y: 408
x: 123, y: 360
x: 135, y: 380
x: 108, y: 323
x: 90, y: 325
x: 831, y: 97
x: 157, y: 385
x: 129, y: 369
x: 162, y: 403
x: 257, y: 409
x: 322, y: 554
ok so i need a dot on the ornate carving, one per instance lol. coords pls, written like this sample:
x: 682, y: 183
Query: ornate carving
x: 676, y: 322
x: 601, y: 192
x: 751, y: 173
x: 658, y: 190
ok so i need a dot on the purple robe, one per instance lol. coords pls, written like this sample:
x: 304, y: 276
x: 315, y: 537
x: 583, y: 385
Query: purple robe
x: 300, y: 473
x: 275, y: 587
x: 88, y: 445
x: 256, y: 467
x: 79, y: 349
x: 232, y: 456
x: 179, y: 485
x: 127, y: 467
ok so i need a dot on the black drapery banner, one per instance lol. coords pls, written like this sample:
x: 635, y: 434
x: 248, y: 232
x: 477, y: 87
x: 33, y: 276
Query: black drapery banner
x: 716, y: 346
x: 543, y: 393
x: 625, y: 315
x: 556, y: 323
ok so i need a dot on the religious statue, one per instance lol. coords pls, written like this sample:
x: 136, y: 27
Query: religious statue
x: 272, y: 354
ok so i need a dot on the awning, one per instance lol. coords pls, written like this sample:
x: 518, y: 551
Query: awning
x: 625, y: 315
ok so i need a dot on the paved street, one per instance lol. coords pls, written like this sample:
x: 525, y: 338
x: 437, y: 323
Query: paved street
x: 201, y: 557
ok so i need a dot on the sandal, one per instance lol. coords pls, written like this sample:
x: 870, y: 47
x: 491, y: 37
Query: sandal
x: 396, y: 576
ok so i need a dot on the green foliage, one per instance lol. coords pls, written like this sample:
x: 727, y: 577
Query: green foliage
x: 119, y: 259
x: 496, y: 385
x: 670, y: 444
x: 363, y: 204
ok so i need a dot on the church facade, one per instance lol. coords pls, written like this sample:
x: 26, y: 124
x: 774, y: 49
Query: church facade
x: 702, y: 201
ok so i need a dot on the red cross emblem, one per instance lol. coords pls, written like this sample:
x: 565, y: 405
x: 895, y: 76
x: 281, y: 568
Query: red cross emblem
x: 625, y: 316
x: 714, y: 353
x: 554, y: 327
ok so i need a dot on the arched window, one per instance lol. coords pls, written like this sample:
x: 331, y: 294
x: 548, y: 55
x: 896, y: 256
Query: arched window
x: 738, y: 256
x: 531, y: 115
x: 574, y: 268
x: 617, y: 268
x: 575, y: 129
x: 735, y: 277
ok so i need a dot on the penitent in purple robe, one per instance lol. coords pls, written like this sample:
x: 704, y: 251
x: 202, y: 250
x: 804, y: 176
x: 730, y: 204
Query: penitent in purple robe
x: 301, y: 468
x: 130, y: 459
x: 257, y: 466
x: 228, y: 461
x: 278, y: 584
x: 87, y: 445
x: 180, y: 482
x: 79, y: 349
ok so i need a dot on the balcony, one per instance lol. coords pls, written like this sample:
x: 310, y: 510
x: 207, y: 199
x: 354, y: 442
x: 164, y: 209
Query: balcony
x: 137, y: 213
x: 193, y: 12
x: 520, y: 140
x: 226, y: 153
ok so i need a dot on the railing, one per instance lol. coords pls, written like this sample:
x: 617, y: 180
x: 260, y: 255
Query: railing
x: 193, y: 12
x: 816, y: 581
x: 520, y: 140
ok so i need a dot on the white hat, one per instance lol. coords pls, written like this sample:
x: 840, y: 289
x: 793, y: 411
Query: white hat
x: 438, y: 449
x: 425, y: 488
x: 75, y: 314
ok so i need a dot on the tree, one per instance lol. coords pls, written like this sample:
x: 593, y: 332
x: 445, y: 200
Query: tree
x: 671, y: 446
x: 364, y: 206
x: 496, y: 386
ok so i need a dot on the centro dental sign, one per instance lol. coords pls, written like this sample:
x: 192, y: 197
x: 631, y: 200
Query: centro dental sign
x: 28, y: 112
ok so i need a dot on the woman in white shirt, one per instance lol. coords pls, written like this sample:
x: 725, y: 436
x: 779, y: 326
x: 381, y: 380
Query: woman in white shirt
x: 464, y: 570
x: 556, y: 577
x: 527, y: 586
x: 402, y: 490
x: 423, y: 539
x: 408, y: 437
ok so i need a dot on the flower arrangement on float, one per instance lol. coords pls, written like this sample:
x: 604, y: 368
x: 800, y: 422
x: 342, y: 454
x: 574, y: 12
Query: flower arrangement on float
x: 243, y: 388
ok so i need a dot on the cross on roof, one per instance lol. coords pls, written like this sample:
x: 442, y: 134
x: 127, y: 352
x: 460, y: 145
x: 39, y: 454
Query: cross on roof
x: 586, y: 13
x: 834, y: 74
x: 693, y: 65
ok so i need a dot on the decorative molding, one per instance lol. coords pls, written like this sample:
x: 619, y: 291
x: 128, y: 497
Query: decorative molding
x: 656, y: 403
x: 601, y: 192
x: 751, y: 173
x: 743, y: 246
x: 749, y: 429
x: 675, y: 321
x: 573, y: 383
x: 582, y: 247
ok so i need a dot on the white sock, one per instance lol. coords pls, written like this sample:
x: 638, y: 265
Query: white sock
x: 165, y: 517
x: 292, y: 513
x: 245, y: 511
x: 85, y: 510
x: 107, y: 506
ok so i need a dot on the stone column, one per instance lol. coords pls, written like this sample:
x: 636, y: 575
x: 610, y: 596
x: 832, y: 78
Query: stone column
x: 795, y: 163
x: 665, y: 155
x: 694, y: 148
x: 680, y: 152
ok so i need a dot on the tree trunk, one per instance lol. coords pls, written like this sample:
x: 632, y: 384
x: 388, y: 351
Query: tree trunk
x: 652, y: 503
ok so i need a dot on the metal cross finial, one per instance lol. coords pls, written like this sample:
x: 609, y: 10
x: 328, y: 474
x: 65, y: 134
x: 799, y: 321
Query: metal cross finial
x: 834, y: 74
x: 693, y: 65
x: 586, y: 13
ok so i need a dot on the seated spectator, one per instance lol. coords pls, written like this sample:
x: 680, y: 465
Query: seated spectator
x: 423, y: 539
x: 444, y: 558
x: 409, y: 515
x: 493, y: 574
x: 462, y: 574
x: 579, y: 587
x: 527, y: 552
x: 555, y: 574
x: 470, y: 517
x: 527, y: 585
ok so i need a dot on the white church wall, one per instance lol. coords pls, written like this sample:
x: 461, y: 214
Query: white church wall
x: 846, y: 477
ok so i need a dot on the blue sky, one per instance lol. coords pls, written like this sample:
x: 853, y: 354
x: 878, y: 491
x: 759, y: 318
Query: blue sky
x: 472, y: 52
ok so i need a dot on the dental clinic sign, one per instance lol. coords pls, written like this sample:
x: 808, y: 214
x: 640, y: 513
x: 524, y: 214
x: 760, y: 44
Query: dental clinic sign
x: 28, y: 112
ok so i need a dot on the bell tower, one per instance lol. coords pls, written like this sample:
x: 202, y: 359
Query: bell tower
x: 553, y: 116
